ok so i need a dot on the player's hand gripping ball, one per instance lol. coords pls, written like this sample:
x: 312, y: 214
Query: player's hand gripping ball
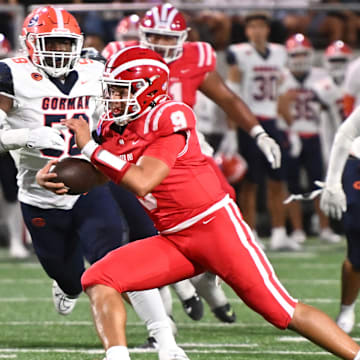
x: 79, y: 175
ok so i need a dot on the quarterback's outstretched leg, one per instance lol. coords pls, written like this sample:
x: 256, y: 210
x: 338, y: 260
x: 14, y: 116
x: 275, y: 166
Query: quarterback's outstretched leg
x: 322, y: 330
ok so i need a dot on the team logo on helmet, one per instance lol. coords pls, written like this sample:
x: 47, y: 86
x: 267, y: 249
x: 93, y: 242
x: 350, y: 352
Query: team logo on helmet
x: 33, y: 21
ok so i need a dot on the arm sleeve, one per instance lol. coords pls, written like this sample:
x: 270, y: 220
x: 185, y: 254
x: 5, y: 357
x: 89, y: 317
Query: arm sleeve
x: 173, y: 144
x: 344, y: 137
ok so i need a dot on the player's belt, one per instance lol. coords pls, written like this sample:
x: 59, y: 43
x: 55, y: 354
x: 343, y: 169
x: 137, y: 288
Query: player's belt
x: 189, y: 222
x: 264, y: 118
x: 307, y: 135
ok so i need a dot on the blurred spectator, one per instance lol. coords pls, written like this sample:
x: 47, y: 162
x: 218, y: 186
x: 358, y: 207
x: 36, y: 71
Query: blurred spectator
x: 128, y: 28
x: 323, y: 27
x: 213, y: 27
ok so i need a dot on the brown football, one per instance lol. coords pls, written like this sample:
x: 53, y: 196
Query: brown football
x: 79, y: 175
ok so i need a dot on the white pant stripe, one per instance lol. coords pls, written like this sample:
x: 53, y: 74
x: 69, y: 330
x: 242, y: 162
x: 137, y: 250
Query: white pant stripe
x: 254, y: 256
x: 265, y: 259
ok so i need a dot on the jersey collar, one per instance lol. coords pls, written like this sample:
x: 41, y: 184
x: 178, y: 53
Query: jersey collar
x: 66, y: 86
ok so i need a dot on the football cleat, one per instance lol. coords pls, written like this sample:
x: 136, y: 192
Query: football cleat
x: 150, y: 343
x: 64, y: 304
x: 279, y: 241
x: 346, y: 321
x: 329, y: 236
x: 194, y: 307
x: 225, y: 313
x: 298, y: 236
x: 18, y: 251
x: 172, y: 354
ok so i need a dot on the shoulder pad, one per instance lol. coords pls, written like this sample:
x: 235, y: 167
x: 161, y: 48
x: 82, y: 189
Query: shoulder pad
x: 168, y: 118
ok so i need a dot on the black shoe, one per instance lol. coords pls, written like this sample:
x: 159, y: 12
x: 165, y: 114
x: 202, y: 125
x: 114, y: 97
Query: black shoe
x: 225, y: 313
x: 150, y: 343
x: 194, y: 307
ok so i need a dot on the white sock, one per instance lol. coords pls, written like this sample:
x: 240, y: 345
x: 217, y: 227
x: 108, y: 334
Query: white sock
x: 278, y: 231
x: 184, y: 289
x: 357, y: 357
x: 117, y: 353
x: 347, y: 308
x: 14, y: 221
x: 206, y: 287
x: 166, y: 297
x: 150, y: 308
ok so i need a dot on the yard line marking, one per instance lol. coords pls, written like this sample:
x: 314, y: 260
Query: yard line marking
x: 288, y: 255
x: 138, y: 351
x: 312, y: 282
x: 90, y: 323
x: 185, y: 345
x: 26, y: 281
x: 310, y: 265
x: 8, y: 356
x: 83, y: 299
x: 20, y: 265
x: 300, y: 338
x: 291, y: 339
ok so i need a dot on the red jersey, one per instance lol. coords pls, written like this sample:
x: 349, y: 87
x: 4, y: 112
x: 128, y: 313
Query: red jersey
x: 186, y: 73
x: 191, y: 187
x: 189, y: 71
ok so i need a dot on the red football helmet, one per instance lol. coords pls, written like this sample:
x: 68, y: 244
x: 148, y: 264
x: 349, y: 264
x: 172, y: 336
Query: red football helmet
x: 300, y: 53
x: 5, y: 47
x: 47, y: 23
x: 233, y: 166
x: 134, y: 81
x: 128, y: 28
x: 336, y: 59
x: 166, y: 22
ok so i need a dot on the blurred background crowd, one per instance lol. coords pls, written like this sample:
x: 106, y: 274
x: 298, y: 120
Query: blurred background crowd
x: 322, y: 21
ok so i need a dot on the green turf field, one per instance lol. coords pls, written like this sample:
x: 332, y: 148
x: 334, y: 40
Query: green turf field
x: 30, y: 329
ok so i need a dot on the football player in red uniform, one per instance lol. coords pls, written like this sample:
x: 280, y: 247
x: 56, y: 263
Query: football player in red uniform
x: 193, y: 67
x: 149, y: 145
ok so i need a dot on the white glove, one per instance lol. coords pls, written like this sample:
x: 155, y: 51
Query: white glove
x: 270, y: 149
x: 295, y: 144
x: 333, y: 200
x: 229, y: 143
x: 45, y: 138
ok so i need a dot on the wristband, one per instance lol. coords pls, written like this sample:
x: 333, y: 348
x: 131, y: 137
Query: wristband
x: 256, y: 131
x: 89, y: 148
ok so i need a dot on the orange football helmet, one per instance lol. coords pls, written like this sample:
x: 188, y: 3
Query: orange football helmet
x: 47, y: 23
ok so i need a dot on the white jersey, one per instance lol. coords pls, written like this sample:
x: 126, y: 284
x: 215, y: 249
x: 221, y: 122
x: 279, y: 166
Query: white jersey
x: 211, y: 119
x: 43, y: 101
x: 351, y: 82
x: 314, y: 93
x: 352, y: 87
x: 331, y: 119
x: 261, y: 76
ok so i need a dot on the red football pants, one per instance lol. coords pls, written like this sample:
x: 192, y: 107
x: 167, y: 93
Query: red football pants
x: 220, y: 243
